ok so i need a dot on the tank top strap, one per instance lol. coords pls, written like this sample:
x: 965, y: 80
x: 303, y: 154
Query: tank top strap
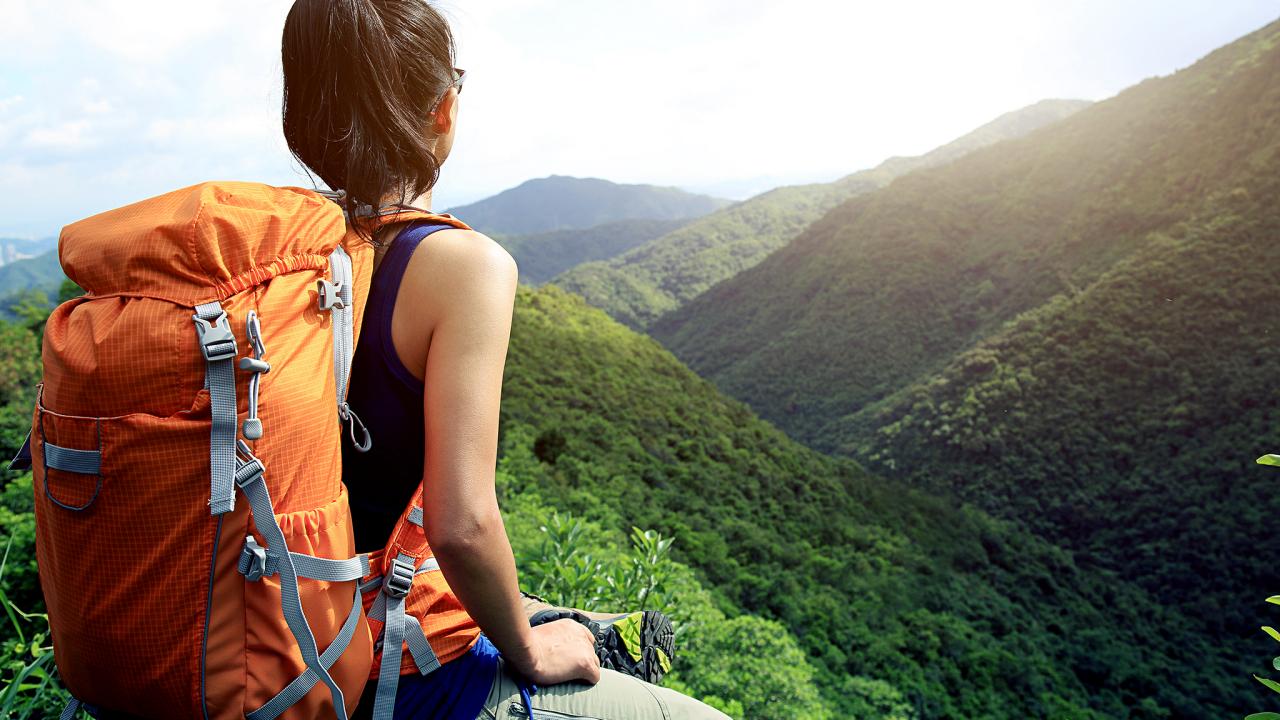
x: 386, y: 280
x: 388, y: 277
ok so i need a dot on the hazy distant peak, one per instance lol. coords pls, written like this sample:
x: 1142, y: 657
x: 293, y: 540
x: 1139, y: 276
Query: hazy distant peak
x: 559, y: 202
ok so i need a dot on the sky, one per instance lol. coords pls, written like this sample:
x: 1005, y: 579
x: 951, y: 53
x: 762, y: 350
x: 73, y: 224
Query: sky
x: 103, y: 103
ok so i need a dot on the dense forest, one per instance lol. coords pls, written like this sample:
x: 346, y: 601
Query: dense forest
x: 640, y: 285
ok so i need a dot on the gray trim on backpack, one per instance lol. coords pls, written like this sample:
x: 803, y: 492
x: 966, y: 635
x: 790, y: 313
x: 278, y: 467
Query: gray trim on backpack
x: 85, y: 462
x: 301, y: 685
x: 398, y: 629
x: 250, y: 481
x: 337, y: 296
x: 218, y: 345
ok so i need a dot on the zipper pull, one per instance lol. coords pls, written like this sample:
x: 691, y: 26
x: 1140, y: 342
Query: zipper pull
x: 252, y: 426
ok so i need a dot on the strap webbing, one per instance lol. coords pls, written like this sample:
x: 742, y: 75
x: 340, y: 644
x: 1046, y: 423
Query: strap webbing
x: 415, y: 515
x: 249, y: 478
x: 70, y: 710
x: 301, y: 685
x: 255, y: 562
x: 397, y: 629
x: 219, y: 348
x: 84, y: 462
x: 343, y: 320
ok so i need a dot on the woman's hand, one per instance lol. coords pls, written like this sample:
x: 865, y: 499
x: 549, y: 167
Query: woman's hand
x: 561, y: 651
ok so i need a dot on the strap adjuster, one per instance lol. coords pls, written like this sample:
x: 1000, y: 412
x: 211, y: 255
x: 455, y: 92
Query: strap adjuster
x: 399, y: 578
x: 253, y: 560
x: 249, y: 472
x: 332, y: 295
x: 217, y: 342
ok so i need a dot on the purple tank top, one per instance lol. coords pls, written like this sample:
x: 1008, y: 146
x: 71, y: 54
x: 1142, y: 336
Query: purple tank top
x: 389, y: 399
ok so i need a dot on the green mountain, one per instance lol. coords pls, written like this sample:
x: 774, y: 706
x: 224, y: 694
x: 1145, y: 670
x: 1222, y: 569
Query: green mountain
x: 42, y: 272
x: 541, y: 256
x: 1122, y: 421
x: 893, y: 593
x: 888, y: 287
x: 1071, y: 330
x: 559, y: 202
x: 638, y: 286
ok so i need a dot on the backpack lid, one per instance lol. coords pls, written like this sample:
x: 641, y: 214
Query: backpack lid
x: 196, y: 242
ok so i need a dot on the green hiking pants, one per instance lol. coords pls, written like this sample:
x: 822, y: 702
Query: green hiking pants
x: 615, y: 697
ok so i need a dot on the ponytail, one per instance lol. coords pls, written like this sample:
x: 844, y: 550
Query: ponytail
x: 360, y: 77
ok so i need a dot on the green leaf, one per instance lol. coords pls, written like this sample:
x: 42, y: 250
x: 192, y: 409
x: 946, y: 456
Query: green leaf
x: 1272, y: 632
x: 1274, y: 599
x: 1269, y: 683
x: 1269, y: 459
x: 1263, y: 716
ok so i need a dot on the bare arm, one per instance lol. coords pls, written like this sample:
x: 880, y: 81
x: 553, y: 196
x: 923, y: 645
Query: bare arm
x: 465, y: 285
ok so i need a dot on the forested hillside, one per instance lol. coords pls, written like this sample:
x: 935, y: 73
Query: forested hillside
x: 541, y: 256
x: 889, y: 286
x: 1122, y: 421
x: 640, y: 285
x: 1072, y: 331
x: 558, y: 202
x: 960, y: 615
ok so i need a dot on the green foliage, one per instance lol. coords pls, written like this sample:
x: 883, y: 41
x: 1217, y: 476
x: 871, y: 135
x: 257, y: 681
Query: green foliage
x: 29, y: 685
x: 958, y: 615
x: 568, y: 575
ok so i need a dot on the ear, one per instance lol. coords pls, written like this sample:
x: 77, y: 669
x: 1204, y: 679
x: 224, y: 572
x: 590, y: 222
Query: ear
x: 442, y: 119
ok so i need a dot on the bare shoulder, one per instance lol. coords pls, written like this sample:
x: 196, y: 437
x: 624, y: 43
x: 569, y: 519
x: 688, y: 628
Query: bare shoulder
x: 460, y: 267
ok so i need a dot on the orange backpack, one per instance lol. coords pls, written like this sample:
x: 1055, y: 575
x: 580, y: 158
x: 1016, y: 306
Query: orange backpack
x: 211, y: 354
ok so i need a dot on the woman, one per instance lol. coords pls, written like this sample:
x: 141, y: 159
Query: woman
x: 371, y: 106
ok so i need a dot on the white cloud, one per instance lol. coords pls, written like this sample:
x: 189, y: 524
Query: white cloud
x: 102, y: 103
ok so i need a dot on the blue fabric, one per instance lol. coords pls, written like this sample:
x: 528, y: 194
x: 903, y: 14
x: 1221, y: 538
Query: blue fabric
x: 456, y: 691
x: 389, y: 399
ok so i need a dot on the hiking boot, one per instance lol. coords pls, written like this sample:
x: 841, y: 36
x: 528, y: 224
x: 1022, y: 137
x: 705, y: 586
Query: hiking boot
x: 640, y: 644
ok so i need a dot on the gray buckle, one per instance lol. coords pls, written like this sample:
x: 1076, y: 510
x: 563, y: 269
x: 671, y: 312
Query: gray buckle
x: 399, y: 578
x: 253, y: 560
x: 217, y: 342
x: 331, y: 295
x: 250, y: 472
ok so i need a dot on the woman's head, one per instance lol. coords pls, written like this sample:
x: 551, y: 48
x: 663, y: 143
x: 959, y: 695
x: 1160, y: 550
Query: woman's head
x: 369, y: 95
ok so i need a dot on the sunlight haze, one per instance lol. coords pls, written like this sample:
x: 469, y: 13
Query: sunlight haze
x: 102, y: 106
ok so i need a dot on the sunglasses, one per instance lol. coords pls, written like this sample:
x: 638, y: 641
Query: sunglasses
x: 460, y: 77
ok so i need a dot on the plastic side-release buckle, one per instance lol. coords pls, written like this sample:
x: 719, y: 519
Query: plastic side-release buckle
x: 253, y: 560
x: 332, y: 295
x: 399, y: 578
x: 217, y: 342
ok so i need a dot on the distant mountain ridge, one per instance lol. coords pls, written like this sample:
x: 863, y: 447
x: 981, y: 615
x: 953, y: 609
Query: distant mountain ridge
x: 640, y: 285
x: 560, y: 202
x: 14, y: 249
x: 542, y: 256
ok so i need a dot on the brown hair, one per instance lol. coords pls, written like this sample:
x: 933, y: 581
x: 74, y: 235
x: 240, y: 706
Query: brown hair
x: 360, y: 77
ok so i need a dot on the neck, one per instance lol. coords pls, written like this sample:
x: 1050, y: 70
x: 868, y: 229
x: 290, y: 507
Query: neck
x: 422, y: 202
